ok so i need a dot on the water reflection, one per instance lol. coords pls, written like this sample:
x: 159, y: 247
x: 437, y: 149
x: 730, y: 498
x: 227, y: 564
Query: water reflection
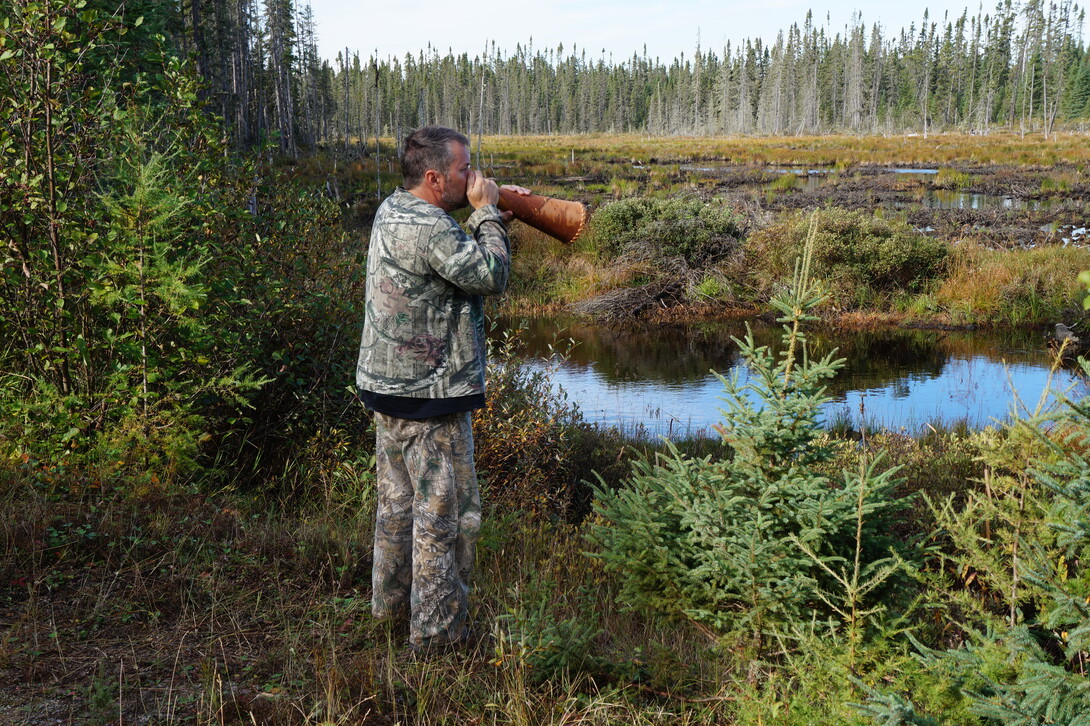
x: 949, y: 199
x: 661, y: 379
x: 940, y: 199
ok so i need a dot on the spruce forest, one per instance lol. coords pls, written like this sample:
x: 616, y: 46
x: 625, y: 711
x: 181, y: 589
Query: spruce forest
x: 1022, y: 66
x: 187, y: 473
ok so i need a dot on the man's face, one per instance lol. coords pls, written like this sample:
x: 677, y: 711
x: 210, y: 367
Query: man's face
x: 456, y: 179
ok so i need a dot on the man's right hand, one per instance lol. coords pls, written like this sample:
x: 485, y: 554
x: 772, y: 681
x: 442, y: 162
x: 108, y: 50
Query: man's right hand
x: 482, y: 191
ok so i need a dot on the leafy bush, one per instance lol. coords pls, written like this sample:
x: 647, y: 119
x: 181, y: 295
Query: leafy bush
x: 167, y: 302
x: 853, y: 252
x: 699, y: 232
x: 760, y: 537
x: 532, y: 444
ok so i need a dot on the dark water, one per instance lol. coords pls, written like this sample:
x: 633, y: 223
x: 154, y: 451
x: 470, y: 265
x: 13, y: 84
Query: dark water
x: 948, y: 199
x: 660, y: 380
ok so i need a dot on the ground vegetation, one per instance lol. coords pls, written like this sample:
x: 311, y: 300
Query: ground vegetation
x: 186, y: 477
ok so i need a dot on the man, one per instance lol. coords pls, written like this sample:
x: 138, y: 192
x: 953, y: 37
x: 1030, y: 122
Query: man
x: 421, y: 370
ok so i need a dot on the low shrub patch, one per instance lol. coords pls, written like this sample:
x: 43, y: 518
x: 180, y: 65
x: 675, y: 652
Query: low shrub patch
x: 686, y: 227
x: 853, y: 252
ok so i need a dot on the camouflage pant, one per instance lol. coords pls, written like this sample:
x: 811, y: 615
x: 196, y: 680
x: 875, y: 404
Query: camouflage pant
x: 429, y: 516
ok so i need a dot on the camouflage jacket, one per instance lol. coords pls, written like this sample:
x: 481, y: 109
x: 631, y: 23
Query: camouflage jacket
x: 423, y: 330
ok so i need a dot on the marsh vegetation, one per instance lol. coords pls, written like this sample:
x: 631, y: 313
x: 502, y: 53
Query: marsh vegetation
x: 186, y: 480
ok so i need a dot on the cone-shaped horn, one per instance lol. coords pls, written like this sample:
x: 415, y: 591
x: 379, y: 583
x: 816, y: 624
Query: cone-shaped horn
x: 555, y: 217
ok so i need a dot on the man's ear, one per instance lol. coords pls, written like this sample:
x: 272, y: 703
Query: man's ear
x: 431, y: 177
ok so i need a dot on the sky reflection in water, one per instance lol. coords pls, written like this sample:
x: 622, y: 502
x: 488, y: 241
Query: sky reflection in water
x: 660, y: 381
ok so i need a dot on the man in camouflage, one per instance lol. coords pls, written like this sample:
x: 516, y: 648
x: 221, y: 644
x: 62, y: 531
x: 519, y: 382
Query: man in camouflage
x: 421, y: 370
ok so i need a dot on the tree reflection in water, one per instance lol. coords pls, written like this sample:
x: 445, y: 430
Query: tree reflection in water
x: 659, y: 379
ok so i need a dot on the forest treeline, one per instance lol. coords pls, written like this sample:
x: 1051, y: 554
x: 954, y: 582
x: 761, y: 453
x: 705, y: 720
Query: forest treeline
x: 1022, y: 66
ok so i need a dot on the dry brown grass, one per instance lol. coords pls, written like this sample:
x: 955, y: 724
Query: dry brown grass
x: 842, y: 150
x: 210, y: 610
x: 1012, y: 287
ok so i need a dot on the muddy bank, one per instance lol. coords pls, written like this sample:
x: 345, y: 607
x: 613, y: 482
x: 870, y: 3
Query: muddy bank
x: 999, y: 207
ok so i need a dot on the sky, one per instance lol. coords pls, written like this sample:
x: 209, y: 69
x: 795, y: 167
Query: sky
x: 620, y: 27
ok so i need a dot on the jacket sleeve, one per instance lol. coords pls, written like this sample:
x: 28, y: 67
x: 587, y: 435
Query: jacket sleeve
x: 478, y: 265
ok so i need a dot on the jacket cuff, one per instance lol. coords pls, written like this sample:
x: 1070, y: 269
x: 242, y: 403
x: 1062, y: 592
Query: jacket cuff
x: 487, y: 213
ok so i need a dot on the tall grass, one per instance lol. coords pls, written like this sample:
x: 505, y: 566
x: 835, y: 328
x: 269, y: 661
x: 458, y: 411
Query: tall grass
x: 1014, y: 287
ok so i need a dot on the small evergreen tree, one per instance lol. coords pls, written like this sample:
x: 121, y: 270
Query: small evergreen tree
x: 742, y: 543
x: 1043, y: 636
x: 1017, y: 553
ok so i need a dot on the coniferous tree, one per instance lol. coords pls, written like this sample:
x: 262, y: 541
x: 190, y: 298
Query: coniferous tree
x: 743, y: 543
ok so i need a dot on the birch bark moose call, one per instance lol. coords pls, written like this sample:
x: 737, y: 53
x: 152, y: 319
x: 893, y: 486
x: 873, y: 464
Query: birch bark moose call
x: 557, y: 218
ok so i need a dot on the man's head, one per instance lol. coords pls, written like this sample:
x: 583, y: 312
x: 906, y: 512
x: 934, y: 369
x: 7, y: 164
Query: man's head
x: 435, y: 164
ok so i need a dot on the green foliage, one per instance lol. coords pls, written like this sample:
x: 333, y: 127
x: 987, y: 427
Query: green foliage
x: 1084, y: 280
x: 953, y: 179
x: 699, y: 232
x: 162, y: 301
x: 853, y: 252
x: 1013, y: 574
x: 891, y: 709
x: 534, y: 636
x: 712, y: 287
x: 532, y: 444
x: 50, y: 127
x: 761, y: 537
x: 785, y: 183
x: 1055, y: 184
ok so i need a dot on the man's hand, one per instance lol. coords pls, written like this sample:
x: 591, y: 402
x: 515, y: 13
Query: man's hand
x: 481, y: 191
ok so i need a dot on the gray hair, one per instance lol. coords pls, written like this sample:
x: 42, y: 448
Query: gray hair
x: 428, y: 148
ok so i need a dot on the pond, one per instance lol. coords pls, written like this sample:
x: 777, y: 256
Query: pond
x: 661, y: 381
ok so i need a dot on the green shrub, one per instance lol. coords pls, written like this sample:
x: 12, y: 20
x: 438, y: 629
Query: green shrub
x: 170, y: 304
x: 1012, y: 574
x: 852, y: 251
x: 535, y: 635
x: 712, y: 287
x: 647, y: 228
x: 533, y: 447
